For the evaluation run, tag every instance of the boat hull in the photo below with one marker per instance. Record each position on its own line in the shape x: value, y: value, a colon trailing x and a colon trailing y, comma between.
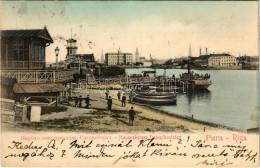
x: 155, y: 101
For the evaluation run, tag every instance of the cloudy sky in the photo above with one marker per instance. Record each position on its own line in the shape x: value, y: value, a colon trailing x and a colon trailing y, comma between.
x: 163, y: 29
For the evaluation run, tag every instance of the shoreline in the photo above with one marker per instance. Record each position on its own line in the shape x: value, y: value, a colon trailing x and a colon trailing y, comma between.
x: 220, y: 126
x: 98, y: 119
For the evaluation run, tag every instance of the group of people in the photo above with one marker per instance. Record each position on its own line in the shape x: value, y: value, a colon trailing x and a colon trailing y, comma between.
x: 123, y: 100
x: 78, y: 101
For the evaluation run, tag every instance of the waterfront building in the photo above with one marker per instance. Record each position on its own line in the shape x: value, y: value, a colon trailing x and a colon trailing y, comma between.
x: 118, y: 58
x: 77, y: 62
x: 221, y: 60
x: 24, y: 49
x: 23, y: 68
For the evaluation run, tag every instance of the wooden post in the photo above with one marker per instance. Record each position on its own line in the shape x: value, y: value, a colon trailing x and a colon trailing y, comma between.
x: 18, y: 77
x: 57, y: 99
x: 36, y: 76
x: 53, y: 77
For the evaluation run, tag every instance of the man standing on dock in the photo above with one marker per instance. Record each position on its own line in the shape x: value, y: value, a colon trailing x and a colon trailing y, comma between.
x: 131, y: 116
x: 123, y: 100
x: 109, y: 103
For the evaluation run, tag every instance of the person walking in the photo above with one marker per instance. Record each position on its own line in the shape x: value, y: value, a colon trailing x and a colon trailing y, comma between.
x: 107, y: 92
x: 123, y: 100
x: 76, y: 101
x: 87, y: 99
x: 118, y: 95
x: 131, y: 116
x: 109, y: 103
x: 80, y: 101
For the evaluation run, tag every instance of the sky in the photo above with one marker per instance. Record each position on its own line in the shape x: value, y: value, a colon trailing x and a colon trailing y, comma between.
x: 163, y: 29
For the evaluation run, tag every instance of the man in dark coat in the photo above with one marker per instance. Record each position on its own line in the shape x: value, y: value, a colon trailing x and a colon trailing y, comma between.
x: 123, y: 100
x: 87, y: 99
x: 118, y: 95
x: 107, y: 92
x: 109, y: 103
x: 76, y: 101
x: 131, y: 116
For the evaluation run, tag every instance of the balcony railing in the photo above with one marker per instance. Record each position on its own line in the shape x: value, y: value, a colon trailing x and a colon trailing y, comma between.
x: 41, y: 76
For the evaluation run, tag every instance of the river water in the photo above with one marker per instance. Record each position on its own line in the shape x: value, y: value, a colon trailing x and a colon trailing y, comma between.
x: 231, y: 100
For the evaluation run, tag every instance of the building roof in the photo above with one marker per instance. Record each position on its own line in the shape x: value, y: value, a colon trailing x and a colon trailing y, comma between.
x: 71, y: 40
x: 37, y: 33
x: 119, y: 53
x: 38, y: 88
x: 87, y: 57
x: 220, y: 55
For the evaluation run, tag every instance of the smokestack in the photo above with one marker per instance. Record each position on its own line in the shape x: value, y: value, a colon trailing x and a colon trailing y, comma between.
x: 200, y: 51
x: 206, y: 51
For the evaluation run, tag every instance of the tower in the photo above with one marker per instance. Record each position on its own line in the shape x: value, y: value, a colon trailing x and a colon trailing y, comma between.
x: 102, y: 57
x: 136, y: 55
x: 190, y: 51
x: 71, y: 47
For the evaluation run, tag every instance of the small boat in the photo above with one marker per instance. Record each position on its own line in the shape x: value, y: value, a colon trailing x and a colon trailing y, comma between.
x: 155, y: 93
x: 155, y: 102
x: 155, y: 98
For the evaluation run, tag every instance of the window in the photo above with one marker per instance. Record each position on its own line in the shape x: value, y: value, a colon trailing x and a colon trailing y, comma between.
x: 32, y: 52
x: 18, y: 52
x: 37, y: 53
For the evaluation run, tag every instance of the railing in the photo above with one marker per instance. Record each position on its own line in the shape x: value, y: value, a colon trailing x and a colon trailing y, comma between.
x: 41, y: 76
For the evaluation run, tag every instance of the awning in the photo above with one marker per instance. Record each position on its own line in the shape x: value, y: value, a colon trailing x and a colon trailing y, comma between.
x: 38, y: 88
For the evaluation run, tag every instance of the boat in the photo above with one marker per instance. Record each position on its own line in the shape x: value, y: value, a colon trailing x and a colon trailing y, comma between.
x: 156, y: 94
x: 155, y: 102
x: 196, y: 81
x: 154, y: 98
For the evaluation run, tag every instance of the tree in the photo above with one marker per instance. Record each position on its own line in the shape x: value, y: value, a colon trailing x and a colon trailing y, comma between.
x: 168, y: 62
x: 109, y: 71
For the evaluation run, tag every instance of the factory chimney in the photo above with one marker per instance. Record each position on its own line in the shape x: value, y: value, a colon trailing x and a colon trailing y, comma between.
x: 200, y: 51
x: 206, y: 51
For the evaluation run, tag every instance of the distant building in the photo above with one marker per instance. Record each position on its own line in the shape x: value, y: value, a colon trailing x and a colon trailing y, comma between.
x: 137, y: 56
x: 77, y: 62
x: 221, y: 60
x: 118, y: 58
x: 248, y: 60
x: 201, y: 61
x: 24, y: 49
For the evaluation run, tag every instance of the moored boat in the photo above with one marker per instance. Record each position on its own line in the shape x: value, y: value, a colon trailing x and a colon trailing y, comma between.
x: 155, y: 98
x: 155, y: 102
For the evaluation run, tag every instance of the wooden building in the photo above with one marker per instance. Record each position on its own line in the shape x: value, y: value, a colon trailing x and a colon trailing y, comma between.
x: 23, y: 73
x: 24, y: 49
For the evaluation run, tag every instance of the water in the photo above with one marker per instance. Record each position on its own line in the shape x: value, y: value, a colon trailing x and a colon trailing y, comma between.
x: 231, y: 100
